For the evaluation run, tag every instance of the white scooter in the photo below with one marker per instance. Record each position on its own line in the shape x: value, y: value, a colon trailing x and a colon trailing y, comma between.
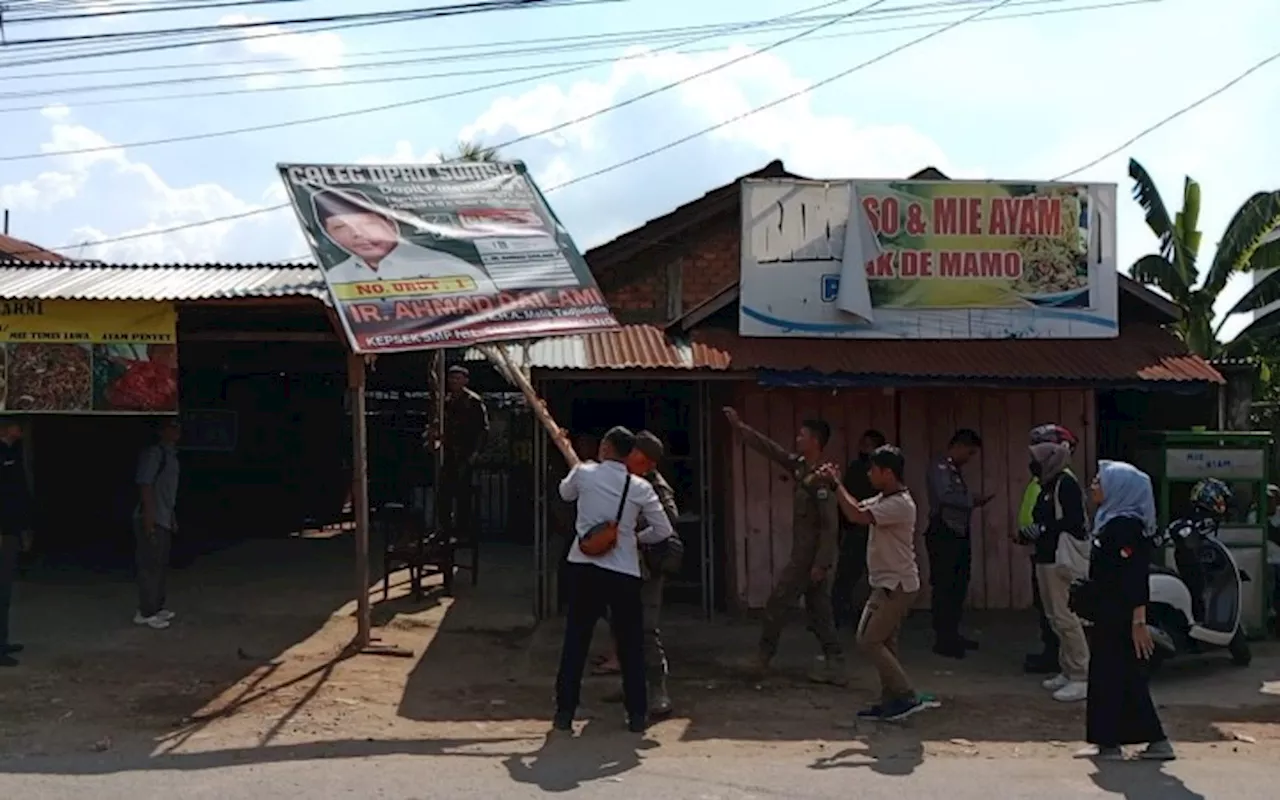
x: 1196, y: 607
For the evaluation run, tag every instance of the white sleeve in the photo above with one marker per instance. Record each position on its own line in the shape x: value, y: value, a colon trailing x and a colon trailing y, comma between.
x: 569, y: 486
x: 651, y: 509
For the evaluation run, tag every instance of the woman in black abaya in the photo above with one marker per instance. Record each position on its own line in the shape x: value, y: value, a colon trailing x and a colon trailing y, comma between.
x: 1120, y: 710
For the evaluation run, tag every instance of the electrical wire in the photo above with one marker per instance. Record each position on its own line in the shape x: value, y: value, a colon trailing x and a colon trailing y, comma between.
x: 145, y: 9
x: 785, y: 98
x: 322, y: 118
x: 632, y: 160
x: 616, y: 38
x: 1145, y: 132
x: 407, y: 16
x: 532, y: 47
x: 835, y: 20
x: 472, y: 7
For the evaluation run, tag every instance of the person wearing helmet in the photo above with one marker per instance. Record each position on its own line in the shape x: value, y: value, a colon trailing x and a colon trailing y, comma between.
x: 1211, y: 499
x: 1046, y: 662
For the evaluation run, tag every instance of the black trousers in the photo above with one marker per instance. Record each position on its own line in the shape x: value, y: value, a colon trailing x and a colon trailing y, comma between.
x: 846, y: 598
x: 151, y: 555
x: 9, y: 548
x: 457, y: 499
x: 1048, y: 637
x: 594, y: 591
x: 950, y: 566
x: 1120, y: 710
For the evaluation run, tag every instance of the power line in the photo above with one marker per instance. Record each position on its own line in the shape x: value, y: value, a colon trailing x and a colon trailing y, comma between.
x: 833, y: 20
x: 142, y: 9
x: 472, y: 7
x: 793, y: 95
x: 305, y: 120
x: 620, y: 37
x: 1175, y: 115
x: 781, y: 100
x: 407, y: 16
x: 688, y: 78
x: 615, y: 38
x: 534, y: 46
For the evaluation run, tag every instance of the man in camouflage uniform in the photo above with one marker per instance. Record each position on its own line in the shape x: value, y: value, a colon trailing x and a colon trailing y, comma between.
x: 815, y: 546
x: 643, y: 462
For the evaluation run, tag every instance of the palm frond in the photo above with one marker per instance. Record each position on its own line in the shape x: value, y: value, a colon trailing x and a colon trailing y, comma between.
x: 1252, y: 224
x: 1148, y: 196
x: 1186, y: 234
x: 1158, y: 271
x: 474, y: 151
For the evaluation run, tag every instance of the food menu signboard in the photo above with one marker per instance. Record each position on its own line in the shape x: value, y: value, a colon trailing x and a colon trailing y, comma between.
x: 928, y: 259
x: 88, y: 357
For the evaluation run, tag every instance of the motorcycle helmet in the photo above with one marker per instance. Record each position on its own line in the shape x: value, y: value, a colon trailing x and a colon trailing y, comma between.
x: 1211, y: 496
x: 1052, y: 433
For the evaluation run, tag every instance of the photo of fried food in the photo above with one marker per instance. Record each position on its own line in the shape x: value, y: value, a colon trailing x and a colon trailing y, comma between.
x: 135, y: 377
x: 49, y: 377
x: 1058, y: 264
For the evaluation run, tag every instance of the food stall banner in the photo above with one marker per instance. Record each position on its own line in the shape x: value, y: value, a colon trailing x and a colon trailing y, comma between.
x: 425, y: 256
x: 928, y: 259
x: 89, y: 357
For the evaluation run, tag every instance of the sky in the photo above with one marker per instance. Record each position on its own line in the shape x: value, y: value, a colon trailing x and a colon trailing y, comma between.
x: 1047, y: 89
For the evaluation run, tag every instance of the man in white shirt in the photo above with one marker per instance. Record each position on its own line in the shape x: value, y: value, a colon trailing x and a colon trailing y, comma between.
x: 354, y: 223
x: 609, y: 582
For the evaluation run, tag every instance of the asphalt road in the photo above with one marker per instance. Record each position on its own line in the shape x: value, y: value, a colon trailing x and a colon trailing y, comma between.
x: 573, y: 770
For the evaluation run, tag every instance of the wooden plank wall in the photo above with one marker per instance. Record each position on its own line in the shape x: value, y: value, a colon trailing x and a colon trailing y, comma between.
x: 921, y: 421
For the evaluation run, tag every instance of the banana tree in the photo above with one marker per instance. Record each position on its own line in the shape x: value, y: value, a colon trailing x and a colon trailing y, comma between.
x: 474, y: 151
x: 1248, y: 245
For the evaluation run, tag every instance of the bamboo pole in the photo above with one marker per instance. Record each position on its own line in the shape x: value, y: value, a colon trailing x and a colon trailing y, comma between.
x: 498, y: 356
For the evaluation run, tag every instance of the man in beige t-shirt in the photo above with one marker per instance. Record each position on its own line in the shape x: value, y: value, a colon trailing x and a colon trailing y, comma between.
x: 893, y: 575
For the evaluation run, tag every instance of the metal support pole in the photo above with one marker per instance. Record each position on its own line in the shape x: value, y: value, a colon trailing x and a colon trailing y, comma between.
x: 360, y: 495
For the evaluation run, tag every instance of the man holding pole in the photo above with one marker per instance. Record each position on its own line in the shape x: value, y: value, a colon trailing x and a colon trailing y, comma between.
x: 605, y: 578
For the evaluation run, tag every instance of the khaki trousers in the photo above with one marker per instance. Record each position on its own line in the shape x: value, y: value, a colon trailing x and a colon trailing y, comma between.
x: 878, y: 639
x: 1055, y: 593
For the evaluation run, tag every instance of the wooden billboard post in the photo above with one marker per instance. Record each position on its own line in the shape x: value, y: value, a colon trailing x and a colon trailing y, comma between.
x: 364, y: 641
x: 360, y: 496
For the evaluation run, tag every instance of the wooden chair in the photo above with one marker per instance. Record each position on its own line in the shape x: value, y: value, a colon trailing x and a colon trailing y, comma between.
x: 409, y: 542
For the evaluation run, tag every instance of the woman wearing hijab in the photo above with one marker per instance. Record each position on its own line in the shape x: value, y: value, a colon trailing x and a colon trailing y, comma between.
x: 1120, y: 710
x: 1059, y: 511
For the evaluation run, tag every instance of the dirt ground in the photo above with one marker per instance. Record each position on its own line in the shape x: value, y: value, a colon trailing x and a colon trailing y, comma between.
x: 255, y: 668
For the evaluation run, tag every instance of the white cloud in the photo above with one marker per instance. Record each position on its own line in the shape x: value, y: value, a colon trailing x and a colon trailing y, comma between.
x: 322, y: 51
x: 403, y: 152
x: 55, y: 111
x: 110, y: 183
x: 809, y: 142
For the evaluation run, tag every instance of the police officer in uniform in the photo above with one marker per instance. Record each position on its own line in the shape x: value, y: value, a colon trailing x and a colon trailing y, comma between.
x: 815, y: 546
x: 466, y: 424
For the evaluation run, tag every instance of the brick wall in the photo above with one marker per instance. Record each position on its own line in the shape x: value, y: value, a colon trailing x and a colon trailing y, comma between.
x: 707, y: 261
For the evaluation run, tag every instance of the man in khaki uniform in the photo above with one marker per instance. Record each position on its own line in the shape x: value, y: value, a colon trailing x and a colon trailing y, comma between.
x: 815, y: 546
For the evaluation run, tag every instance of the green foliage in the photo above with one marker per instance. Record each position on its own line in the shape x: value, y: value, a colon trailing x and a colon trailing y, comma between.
x: 1249, y: 244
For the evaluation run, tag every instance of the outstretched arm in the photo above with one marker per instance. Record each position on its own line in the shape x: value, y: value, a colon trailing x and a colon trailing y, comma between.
x: 759, y: 442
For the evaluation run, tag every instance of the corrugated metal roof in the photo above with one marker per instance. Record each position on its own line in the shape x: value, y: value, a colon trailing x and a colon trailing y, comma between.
x: 629, y: 347
x: 160, y: 282
x: 1142, y: 352
x: 19, y: 250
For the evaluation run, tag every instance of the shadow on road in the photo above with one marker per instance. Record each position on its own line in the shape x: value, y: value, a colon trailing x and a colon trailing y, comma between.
x: 564, y: 762
x: 1140, y: 780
